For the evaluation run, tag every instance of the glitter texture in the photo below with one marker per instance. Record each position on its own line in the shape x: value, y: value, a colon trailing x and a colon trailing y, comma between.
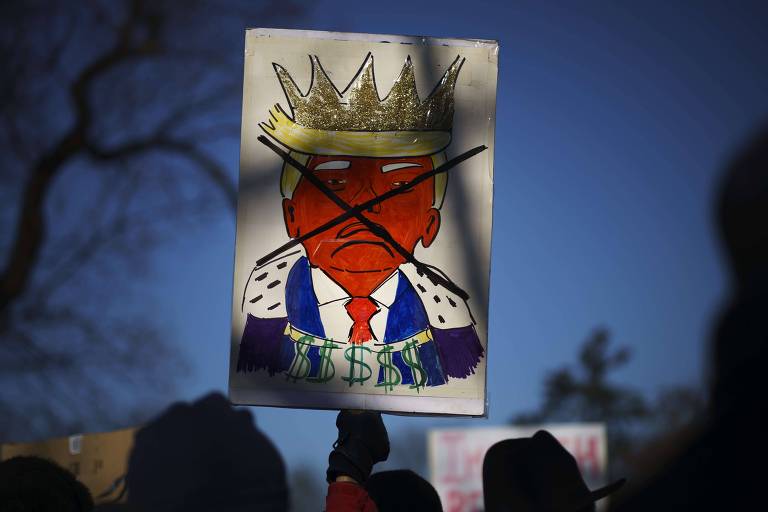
x: 360, y: 108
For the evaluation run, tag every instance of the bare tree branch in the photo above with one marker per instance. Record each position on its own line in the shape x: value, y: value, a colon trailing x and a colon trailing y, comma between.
x: 30, y: 228
x: 109, y: 120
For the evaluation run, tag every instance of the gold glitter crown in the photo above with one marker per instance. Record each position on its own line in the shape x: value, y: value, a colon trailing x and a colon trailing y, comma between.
x: 359, y: 107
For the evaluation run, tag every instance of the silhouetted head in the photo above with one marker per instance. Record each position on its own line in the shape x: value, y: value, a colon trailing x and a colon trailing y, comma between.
x: 741, y: 346
x: 402, y: 490
x: 32, y: 484
x: 536, y: 474
x: 742, y: 210
x: 203, y: 457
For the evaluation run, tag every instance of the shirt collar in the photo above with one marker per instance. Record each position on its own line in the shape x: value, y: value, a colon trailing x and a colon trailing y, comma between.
x: 385, y: 293
x: 327, y: 290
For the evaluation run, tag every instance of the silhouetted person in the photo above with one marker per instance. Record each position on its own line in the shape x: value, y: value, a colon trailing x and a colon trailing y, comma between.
x: 33, y: 484
x: 724, y: 467
x: 208, y: 457
x: 402, y: 490
x: 741, y: 339
x: 536, y: 474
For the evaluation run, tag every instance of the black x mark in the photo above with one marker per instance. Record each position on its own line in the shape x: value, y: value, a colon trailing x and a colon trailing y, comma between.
x: 356, y: 211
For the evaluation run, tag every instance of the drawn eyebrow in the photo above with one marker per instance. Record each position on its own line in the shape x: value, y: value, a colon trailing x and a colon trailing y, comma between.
x: 399, y: 165
x: 332, y: 165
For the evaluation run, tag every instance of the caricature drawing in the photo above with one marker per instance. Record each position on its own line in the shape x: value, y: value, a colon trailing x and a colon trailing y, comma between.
x: 345, y: 301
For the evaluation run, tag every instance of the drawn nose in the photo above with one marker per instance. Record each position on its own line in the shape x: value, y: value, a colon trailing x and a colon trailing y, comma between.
x: 366, y: 194
x: 375, y: 208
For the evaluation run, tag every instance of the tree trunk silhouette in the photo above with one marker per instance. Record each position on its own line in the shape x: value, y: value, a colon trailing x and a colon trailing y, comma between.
x: 113, y: 116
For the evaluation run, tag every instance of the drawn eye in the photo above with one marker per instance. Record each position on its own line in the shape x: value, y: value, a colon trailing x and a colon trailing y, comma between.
x: 335, y: 183
x: 399, y: 183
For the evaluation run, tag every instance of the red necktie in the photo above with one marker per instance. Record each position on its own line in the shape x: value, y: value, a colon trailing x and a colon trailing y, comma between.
x: 361, y: 309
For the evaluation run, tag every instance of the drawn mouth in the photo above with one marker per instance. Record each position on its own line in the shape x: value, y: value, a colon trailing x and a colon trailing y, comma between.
x: 358, y: 242
x: 352, y: 229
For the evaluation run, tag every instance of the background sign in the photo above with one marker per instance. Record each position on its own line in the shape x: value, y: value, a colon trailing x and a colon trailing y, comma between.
x: 99, y: 461
x: 456, y: 458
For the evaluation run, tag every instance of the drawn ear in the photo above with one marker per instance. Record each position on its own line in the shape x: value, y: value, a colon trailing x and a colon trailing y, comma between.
x: 290, y: 218
x: 431, y: 227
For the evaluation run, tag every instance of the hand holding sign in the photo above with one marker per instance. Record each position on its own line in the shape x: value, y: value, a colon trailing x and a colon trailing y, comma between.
x: 362, y: 442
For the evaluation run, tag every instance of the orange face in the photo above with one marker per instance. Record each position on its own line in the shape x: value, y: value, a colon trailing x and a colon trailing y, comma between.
x: 350, y: 253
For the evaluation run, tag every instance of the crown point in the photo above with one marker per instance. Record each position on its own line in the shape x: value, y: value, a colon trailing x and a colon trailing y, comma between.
x: 363, y: 97
x: 292, y: 92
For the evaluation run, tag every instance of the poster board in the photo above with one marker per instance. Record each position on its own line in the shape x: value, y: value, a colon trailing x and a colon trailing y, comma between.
x: 99, y: 461
x: 362, y: 255
x: 456, y: 458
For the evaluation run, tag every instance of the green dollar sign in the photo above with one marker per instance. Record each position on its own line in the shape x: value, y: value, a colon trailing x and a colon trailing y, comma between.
x: 327, y: 368
x: 301, y: 365
x: 412, y: 359
x: 351, y: 354
x: 391, y: 374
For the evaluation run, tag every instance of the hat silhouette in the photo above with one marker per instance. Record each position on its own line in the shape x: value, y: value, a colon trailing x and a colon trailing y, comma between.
x: 402, y: 490
x: 205, y: 456
x: 536, y: 474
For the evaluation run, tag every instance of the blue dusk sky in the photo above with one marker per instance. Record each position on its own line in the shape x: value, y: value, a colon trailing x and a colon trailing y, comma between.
x: 614, y: 122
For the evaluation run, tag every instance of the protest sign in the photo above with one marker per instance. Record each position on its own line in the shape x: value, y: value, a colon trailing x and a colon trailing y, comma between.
x: 99, y: 461
x: 361, y: 277
x: 456, y: 458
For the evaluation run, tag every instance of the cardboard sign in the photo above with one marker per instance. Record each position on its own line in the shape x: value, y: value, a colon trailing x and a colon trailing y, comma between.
x: 363, y: 226
x: 456, y: 458
x: 99, y: 461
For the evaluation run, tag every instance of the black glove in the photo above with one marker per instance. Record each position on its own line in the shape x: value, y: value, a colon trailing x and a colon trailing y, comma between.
x: 362, y: 442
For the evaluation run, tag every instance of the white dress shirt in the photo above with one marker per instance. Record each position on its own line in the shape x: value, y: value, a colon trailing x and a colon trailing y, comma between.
x: 331, y: 299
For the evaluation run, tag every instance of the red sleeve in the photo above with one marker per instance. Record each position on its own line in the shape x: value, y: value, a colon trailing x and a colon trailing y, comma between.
x: 348, y: 497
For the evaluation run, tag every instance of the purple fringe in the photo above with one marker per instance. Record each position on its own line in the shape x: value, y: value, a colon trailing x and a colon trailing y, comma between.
x: 459, y: 350
x: 261, y: 346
